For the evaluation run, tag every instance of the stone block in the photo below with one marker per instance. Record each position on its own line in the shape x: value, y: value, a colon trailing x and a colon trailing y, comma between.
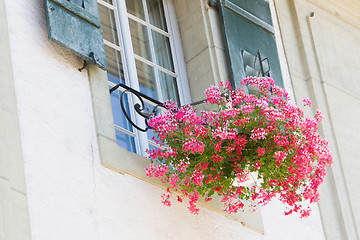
x: 336, y: 46
x: 181, y: 7
x: 200, y: 74
x: 193, y: 35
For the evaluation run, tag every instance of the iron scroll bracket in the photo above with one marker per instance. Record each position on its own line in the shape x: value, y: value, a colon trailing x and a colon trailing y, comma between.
x: 140, y: 107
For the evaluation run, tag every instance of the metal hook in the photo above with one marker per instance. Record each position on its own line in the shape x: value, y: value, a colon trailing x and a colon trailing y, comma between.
x: 93, y: 60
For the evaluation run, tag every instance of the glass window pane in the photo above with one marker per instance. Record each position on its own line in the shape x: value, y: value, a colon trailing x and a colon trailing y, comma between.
x: 108, y: 25
x: 169, y: 88
x: 125, y: 141
x: 146, y: 79
x: 162, y: 51
x: 136, y: 8
x: 151, y: 147
x: 156, y: 14
x: 115, y: 68
x: 140, y: 39
x: 118, y: 114
x: 151, y: 136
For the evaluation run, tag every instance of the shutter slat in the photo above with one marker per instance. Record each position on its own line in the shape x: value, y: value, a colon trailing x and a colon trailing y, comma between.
x: 249, y: 16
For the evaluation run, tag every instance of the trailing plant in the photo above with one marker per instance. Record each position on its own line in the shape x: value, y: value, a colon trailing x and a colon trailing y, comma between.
x: 250, y: 131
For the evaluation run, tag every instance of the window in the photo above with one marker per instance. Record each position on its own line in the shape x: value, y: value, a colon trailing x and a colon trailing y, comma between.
x: 141, y: 52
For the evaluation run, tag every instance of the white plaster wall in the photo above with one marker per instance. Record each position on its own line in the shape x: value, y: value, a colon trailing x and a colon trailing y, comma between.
x: 71, y: 196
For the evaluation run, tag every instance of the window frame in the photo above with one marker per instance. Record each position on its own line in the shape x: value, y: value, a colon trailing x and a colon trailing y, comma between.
x: 129, y: 58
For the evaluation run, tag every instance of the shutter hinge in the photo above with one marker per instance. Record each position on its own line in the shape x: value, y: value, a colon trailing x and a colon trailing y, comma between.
x: 92, y: 61
x: 212, y: 3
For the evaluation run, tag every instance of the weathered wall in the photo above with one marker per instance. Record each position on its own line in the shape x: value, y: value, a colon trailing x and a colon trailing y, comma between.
x: 322, y: 45
x: 70, y: 195
x: 14, y: 215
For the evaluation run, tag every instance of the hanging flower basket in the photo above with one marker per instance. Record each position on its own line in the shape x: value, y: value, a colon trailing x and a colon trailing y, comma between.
x: 252, y: 132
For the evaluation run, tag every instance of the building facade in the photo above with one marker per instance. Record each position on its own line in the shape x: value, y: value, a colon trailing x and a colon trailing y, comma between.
x: 71, y: 165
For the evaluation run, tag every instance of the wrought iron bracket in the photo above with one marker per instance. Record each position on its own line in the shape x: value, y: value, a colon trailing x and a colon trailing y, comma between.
x: 140, y: 108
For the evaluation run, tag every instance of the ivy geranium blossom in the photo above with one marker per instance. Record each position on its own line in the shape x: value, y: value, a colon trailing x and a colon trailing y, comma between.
x: 247, y: 131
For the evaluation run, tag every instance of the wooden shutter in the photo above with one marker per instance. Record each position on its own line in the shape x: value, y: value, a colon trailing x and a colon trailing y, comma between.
x: 249, y: 30
x: 75, y: 25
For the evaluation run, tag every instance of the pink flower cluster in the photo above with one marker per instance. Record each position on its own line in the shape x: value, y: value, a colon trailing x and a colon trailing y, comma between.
x: 280, y: 157
x: 307, y: 102
x: 213, y: 95
x: 193, y: 145
x: 252, y: 130
x: 258, y: 133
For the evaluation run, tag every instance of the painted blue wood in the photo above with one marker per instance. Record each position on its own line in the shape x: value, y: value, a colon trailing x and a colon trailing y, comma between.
x: 75, y: 25
x: 248, y: 28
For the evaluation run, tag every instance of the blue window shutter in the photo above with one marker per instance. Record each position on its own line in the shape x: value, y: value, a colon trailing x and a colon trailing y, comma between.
x: 250, y: 40
x: 75, y: 25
